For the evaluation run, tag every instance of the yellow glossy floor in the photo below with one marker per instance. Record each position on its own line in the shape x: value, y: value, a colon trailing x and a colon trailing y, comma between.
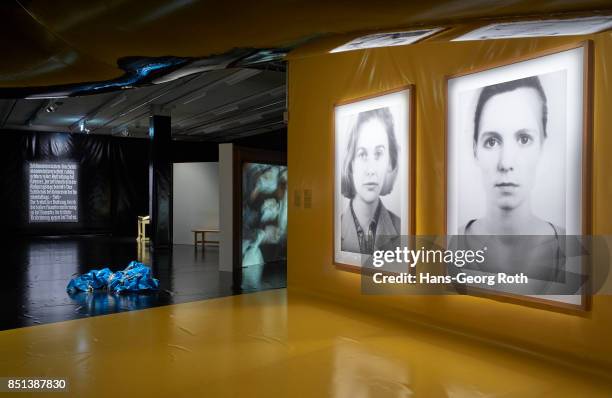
x: 275, y: 344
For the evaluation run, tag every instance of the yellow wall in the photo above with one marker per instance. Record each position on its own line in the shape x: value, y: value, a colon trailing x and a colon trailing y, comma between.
x: 317, y: 80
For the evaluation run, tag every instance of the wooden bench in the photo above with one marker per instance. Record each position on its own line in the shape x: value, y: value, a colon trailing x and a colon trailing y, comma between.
x: 203, y: 232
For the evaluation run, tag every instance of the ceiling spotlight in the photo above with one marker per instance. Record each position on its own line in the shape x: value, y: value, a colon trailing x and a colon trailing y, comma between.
x: 52, y: 106
x: 83, y: 128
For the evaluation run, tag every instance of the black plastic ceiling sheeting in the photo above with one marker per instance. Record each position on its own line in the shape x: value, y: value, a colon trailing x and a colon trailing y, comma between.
x: 143, y: 71
x: 112, y: 181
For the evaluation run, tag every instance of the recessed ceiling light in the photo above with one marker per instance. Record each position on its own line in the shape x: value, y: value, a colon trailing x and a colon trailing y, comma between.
x: 47, y: 96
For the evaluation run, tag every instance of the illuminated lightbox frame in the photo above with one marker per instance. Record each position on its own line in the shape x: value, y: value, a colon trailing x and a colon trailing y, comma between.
x: 388, y: 39
x: 398, y: 106
x: 561, y: 194
x: 74, y: 211
x: 540, y: 28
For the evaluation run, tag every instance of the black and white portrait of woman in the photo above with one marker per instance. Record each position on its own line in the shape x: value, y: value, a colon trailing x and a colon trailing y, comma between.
x: 515, y: 161
x: 511, y: 130
x: 371, y: 160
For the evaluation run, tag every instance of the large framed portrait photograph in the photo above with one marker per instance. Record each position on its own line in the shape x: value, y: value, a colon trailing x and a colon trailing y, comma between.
x: 518, y: 175
x: 372, y: 175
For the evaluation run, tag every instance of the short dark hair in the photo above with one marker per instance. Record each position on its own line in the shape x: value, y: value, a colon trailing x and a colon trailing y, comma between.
x: 490, y: 91
x: 384, y: 115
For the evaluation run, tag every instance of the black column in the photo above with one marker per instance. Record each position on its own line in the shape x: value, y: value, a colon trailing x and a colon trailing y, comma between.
x: 160, y: 182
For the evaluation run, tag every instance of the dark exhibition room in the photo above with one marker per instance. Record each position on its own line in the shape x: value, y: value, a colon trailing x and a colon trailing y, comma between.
x: 306, y: 199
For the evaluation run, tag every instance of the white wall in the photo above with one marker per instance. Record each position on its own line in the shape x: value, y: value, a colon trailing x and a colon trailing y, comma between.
x: 195, y: 200
x: 226, y: 210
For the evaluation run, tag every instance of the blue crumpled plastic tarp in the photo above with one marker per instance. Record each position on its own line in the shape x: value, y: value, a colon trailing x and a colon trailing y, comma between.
x: 136, y: 277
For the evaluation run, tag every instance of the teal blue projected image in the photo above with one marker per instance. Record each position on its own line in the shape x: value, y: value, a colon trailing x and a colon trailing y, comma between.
x: 264, y: 213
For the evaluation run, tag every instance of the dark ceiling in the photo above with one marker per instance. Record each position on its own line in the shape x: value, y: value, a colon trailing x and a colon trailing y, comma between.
x: 217, y: 67
x: 219, y: 105
x: 74, y: 41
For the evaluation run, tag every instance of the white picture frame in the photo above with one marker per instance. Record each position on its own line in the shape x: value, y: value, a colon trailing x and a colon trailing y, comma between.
x: 518, y: 158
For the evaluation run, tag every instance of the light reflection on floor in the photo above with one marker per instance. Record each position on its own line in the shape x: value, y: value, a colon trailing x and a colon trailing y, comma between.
x: 275, y: 344
x: 37, y: 270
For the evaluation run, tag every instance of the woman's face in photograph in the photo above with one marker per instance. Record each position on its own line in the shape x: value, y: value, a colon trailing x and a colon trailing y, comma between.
x: 509, y: 144
x: 371, y: 163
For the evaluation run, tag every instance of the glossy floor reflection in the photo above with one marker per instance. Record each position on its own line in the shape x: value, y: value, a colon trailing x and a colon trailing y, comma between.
x: 275, y: 344
x: 36, y: 272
